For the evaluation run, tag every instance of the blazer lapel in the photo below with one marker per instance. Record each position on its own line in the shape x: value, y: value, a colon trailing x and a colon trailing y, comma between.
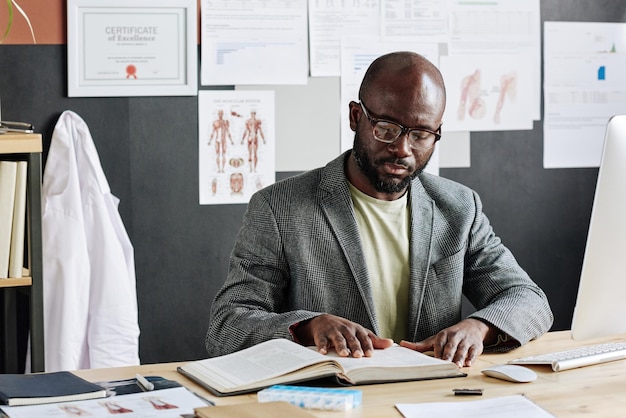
x: 422, y: 214
x: 337, y: 206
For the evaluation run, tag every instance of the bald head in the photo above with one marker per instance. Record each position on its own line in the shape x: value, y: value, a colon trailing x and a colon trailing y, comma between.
x: 406, y: 74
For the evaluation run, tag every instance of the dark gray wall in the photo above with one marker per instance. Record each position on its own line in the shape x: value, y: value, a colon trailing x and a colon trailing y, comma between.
x: 148, y: 147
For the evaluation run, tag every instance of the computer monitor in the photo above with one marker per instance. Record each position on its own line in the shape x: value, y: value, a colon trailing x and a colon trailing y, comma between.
x: 600, y: 309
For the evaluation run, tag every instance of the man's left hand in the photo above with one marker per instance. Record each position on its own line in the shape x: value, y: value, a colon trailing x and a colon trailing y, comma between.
x: 460, y: 343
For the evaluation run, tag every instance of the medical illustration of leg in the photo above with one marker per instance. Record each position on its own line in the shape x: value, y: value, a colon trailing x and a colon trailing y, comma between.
x: 159, y: 404
x: 73, y: 410
x: 471, y: 102
x: 508, y: 89
x: 115, y: 408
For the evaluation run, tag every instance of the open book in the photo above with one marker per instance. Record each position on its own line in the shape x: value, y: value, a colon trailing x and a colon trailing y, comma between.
x: 281, y: 361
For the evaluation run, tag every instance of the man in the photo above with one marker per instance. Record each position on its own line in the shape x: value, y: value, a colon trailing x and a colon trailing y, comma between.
x: 369, y: 249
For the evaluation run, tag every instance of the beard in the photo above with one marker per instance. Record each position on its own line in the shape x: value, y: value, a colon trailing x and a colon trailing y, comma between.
x: 388, y: 184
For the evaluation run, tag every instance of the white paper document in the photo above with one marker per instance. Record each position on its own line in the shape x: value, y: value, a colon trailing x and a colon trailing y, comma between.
x: 515, y: 406
x: 329, y: 21
x: 416, y: 18
x: 497, y: 29
x: 254, y: 42
x: 584, y: 85
x: 165, y: 403
x: 454, y: 149
x: 105, y: 59
x: 486, y: 94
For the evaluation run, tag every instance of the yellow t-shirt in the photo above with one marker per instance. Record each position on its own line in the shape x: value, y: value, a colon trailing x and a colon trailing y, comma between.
x: 384, y: 230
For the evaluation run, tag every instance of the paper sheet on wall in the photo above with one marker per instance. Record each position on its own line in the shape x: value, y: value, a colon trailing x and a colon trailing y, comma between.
x: 584, y: 85
x: 485, y: 94
x: 423, y: 19
x: 395, y: 20
x: 499, y: 28
x: 236, y: 144
x: 329, y: 21
x: 454, y: 149
x: 254, y: 42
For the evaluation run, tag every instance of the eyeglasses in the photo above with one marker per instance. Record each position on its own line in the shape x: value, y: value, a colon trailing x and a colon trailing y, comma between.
x: 387, y: 132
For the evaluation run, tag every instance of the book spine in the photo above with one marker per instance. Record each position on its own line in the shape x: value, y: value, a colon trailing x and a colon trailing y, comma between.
x: 16, y: 255
x: 8, y: 174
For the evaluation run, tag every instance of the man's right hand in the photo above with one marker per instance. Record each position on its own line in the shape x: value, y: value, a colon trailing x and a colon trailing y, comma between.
x: 328, y: 332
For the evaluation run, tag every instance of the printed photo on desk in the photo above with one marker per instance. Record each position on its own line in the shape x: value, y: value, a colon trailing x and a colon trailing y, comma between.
x: 281, y: 361
x: 165, y: 403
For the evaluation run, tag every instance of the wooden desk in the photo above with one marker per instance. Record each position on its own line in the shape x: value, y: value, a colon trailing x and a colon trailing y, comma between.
x: 588, y: 391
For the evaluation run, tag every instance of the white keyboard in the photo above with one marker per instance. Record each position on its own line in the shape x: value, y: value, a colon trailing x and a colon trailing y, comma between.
x: 578, y: 357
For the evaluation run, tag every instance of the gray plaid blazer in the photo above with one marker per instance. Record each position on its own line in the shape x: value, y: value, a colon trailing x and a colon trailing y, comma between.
x: 298, y: 254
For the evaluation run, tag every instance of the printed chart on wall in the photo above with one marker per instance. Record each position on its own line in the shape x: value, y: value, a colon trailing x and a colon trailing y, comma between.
x: 236, y: 145
x: 584, y: 85
x: 253, y: 42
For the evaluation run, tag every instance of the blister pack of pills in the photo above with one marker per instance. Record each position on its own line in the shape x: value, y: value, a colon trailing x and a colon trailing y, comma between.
x: 312, y: 397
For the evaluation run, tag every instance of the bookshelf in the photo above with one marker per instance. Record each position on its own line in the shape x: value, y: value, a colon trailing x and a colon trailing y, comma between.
x: 28, y: 147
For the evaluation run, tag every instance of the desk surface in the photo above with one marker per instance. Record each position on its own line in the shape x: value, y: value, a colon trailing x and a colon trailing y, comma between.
x: 589, y: 391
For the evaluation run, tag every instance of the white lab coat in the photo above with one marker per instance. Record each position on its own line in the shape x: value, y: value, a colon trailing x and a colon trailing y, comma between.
x: 90, y: 299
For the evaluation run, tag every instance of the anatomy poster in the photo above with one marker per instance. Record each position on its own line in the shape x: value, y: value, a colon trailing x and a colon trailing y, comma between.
x: 236, y: 144
x: 485, y: 94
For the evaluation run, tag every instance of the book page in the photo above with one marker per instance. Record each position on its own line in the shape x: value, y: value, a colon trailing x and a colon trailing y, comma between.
x: 263, y: 361
x: 395, y: 363
x: 394, y: 356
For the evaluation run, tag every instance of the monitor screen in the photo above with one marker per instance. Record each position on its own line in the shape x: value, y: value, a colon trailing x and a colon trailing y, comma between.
x: 600, y: 309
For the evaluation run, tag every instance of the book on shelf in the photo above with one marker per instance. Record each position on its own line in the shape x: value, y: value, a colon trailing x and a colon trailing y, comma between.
x: 8, y: 174
x: 42, y: 388
x: 280, y: 361
x: 16, y: 254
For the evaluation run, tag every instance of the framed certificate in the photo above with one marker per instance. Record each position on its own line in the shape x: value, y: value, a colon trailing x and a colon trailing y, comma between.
x: 132, y: 48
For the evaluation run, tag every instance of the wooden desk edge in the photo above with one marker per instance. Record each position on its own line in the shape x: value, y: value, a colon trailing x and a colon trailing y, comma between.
x: 576, y: 392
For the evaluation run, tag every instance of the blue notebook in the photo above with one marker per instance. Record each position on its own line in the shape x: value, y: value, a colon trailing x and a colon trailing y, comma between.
x: 39, y: 388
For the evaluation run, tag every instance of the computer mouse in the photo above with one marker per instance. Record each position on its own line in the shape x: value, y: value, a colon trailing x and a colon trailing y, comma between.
x: 511, y: 373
